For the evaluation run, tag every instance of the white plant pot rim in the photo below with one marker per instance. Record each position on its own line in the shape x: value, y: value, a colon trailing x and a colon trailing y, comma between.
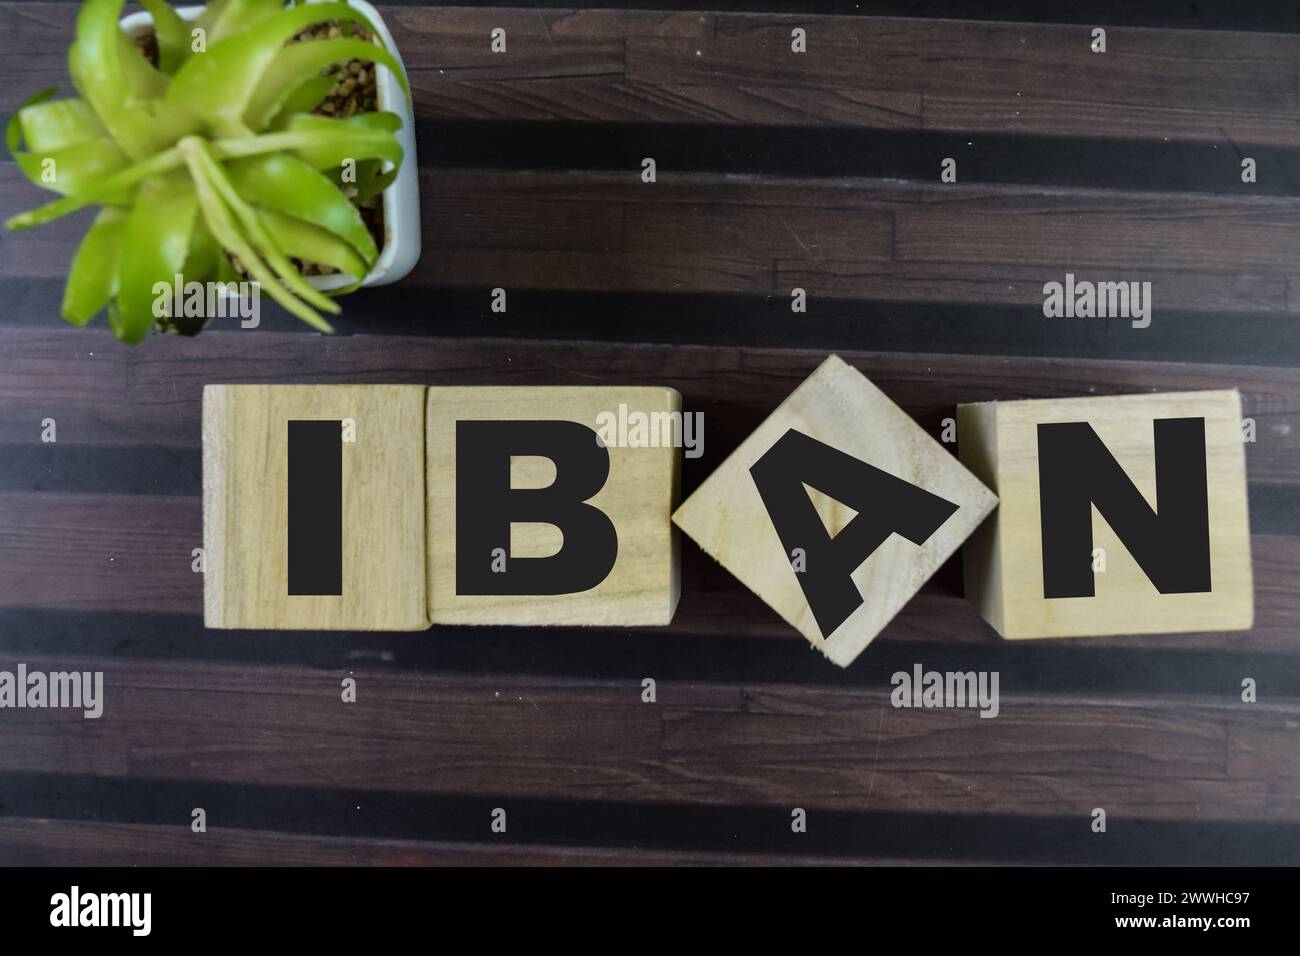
x: 401, y: 248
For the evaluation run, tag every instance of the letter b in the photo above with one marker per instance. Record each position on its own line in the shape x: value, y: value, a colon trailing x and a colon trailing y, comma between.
x: 486, y: 506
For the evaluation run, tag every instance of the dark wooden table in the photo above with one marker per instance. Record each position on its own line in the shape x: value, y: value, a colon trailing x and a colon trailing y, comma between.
x: 775, y: 170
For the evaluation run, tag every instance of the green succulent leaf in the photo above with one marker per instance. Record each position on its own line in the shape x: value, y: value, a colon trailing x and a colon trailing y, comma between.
x: 71, y: 170
x: 205, y: 255
x: 325, y: 143
x: 288, y: 185
x: 265, y: 243
x: 372, y: 179
x: 93, y: 278
x: 313, y: 244
x: 228, y: 17
x: 42, y: 124
x: 118, y: 82
x: 306, y: 97
x: 99, y: 191
x: 219, y: 85
x: 214, y: 194
x: 66, y: 147
x: 157, y: 234
x: 284, y: 74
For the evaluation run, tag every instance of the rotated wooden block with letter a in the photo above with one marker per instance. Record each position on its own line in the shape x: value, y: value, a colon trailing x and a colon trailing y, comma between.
x: 836, y: 510
x: 313, y: 507
x: 1119, y: 515
x: 540, y: 513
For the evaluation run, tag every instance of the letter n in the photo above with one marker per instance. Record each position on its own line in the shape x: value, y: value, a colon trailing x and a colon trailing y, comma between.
x: 1076, y: 472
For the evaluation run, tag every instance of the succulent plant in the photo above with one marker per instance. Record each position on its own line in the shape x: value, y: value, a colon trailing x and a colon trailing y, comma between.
x: 211, y: 154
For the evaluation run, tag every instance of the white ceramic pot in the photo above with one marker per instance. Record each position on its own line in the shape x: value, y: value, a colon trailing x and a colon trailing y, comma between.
x: 401, y: 248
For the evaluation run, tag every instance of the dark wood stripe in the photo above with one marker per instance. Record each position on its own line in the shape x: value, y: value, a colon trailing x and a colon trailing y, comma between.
x: 112, y: 469
x: 718, y: 320
x: 46, y: 842
x: 837, y: 152
x: 323, y: 811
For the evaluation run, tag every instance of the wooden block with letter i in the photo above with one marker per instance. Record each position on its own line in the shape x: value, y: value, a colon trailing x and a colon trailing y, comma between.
x: 836, y: 510
x: 552, y: 505
x: 313, y: 507
x: 1119, y: 515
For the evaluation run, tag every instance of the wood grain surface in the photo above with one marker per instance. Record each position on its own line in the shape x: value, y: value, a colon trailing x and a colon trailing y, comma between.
x: 775, y: 170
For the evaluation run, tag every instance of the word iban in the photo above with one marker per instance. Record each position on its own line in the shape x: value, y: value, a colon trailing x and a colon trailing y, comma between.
x: 1102, y: 300
x: 948, y: 689
x: 1077, y: 472
x: 75, y: 908
x: 660, y: 429
x: 80, y: 690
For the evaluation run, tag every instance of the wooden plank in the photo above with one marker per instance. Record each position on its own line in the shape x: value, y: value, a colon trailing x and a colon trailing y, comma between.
x: 706, y: 744
x: 1006, y: 77
x: 466, y: 222
x: 101, y: 393
x: 873, y: 239
x: 878, y: 240
x: 1265, y: 745
x: 613, y: 66
x: 718, y: 228
x: 870, y: 239
x: 1082, y: 231
x: 111, y: 553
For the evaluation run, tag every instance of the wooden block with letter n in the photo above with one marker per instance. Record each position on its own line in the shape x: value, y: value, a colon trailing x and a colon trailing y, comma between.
x: 313, y: 507
x: 552, y: 505
x: 836, y: 510
x: 1119, y: 515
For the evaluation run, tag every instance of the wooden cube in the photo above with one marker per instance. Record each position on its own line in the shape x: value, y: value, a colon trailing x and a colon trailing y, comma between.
x: 850, y: 480
x: 1091, y: 537
x: 534, y: 519
x: 313, y: 507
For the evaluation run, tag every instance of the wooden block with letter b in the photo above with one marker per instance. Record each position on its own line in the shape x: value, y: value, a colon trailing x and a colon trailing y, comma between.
x: 836, y: 510
x: 1119, y: 515
x: 552, y: 505
x: 313, y: 507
